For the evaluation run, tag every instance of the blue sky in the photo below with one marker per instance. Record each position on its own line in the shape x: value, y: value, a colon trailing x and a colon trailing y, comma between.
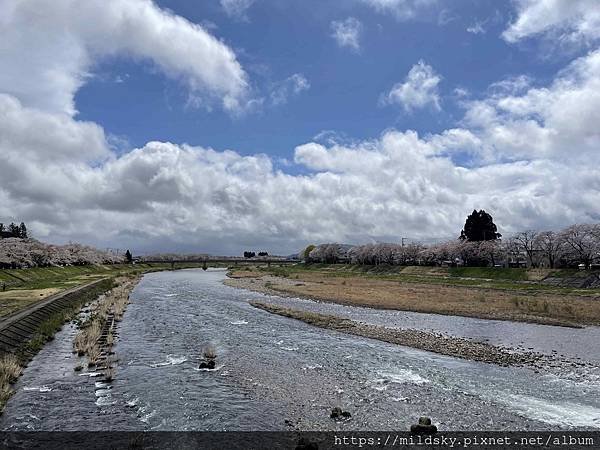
x: 279, y: 39
x: 227, y: 125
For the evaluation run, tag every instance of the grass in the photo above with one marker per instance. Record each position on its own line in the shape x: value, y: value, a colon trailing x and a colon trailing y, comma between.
x: 209, y: 351
x: 87, y: 341
x: 476, y: 277
x: 440, y: 291
x: 493, y: 273
x: 10, y: 369
x: 25, y: 287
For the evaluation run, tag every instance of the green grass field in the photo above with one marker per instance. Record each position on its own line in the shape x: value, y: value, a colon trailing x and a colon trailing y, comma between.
x: 24, y: 287
x: 526, y: 280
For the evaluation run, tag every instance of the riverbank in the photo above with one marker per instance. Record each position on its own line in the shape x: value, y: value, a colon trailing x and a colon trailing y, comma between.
x: 105, y: 299
x: 520, y: 302
x: 25, y: 287
x: 425, y: 340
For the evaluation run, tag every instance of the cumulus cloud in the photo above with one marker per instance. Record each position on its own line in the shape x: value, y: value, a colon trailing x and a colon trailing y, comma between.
x: 568, y: 21
x: 400, y: 183
x: 514, y: 154
x: 558, y: 121
x: 419, y: 89
x: 401, y: 9
x: 291, y: 86
x: 236, y: 8
x: 63, y: 39
x: 347, y: 32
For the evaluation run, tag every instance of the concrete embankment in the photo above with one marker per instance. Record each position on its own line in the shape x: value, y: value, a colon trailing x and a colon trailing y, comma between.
x: 20, y: 328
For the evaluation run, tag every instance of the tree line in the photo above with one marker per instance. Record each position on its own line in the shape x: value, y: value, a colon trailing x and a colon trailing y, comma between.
x: 22, y: 253
x: 13, y: 231
x: 479, y: 244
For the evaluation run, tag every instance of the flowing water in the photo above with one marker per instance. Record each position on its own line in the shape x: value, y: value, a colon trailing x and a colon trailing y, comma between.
x: 275, y: 373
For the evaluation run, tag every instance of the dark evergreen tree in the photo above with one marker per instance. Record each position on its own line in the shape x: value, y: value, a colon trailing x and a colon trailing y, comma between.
x: 128, y: 256
x: 22, y: 231
x: 480, y: 226
x: 13, y: 229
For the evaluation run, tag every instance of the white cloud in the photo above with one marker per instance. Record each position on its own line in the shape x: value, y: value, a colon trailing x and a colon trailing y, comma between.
x: 514, y: 154
x: 401, y: 9
x: 419, y: 89
x: 476, y: 28
x: 64, y: 39
x: 236, y: 8
x: 347, y: 32
x: 558, y: 121
x: 291, y: 86
x: 567, y: 21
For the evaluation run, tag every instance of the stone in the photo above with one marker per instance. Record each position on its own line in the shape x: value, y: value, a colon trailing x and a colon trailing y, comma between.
x: 336, y: 413
x: 210, y: 364
x: 423, y: 427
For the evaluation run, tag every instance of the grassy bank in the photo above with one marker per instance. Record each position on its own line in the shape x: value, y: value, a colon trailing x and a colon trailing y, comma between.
x: 528, y: 280
x: 430, y: 290
x: 24, y: 287
x: 11, y: 364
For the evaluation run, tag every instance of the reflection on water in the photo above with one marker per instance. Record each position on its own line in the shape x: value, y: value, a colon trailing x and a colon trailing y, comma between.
x: 276, y: 373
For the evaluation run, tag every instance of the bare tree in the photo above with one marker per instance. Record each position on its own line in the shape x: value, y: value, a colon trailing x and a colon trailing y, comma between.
x: 551, y: 245
x: 526, y: 243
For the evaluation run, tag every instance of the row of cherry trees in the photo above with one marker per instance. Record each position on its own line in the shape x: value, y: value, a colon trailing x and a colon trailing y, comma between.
x: 20, y: 253
x: 577, y: 244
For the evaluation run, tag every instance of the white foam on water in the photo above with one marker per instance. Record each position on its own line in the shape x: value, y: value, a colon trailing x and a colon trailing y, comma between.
x: 105, y: 400
x: 102, y: 392
x: 239, y: 322
x: 290, y: 349
x: 90, y: 374
x: 171, y: 361
x: 148, y: 416
x: 132, y: 403
x: 38, y: 388
x: 380, y: 384
x: 315, y: 367
x: 209, y: 370
x: 403, y: 376
x: 559, y: 413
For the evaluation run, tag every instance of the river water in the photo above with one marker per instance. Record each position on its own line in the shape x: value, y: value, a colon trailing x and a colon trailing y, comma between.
x: 275, y: 373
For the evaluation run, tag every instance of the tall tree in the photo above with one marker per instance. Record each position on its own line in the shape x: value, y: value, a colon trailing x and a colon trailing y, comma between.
x: 479, y: 226
x: 22, y: 231
x: 128, y: 256
x: 527, y: 242
x: 551, y: 244
x: 13, y: 229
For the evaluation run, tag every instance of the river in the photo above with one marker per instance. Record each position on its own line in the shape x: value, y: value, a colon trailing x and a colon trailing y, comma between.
x: 275, y: 373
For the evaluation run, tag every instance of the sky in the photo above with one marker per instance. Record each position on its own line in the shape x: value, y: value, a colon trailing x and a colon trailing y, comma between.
x: 228, y: 125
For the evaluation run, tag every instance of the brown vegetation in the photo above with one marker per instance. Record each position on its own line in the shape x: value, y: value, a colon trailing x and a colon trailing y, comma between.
x: 503, y: 304
x: 10, y: 369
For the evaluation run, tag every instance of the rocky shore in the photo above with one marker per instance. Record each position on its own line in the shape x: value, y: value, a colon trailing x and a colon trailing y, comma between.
x: 422, y: 340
